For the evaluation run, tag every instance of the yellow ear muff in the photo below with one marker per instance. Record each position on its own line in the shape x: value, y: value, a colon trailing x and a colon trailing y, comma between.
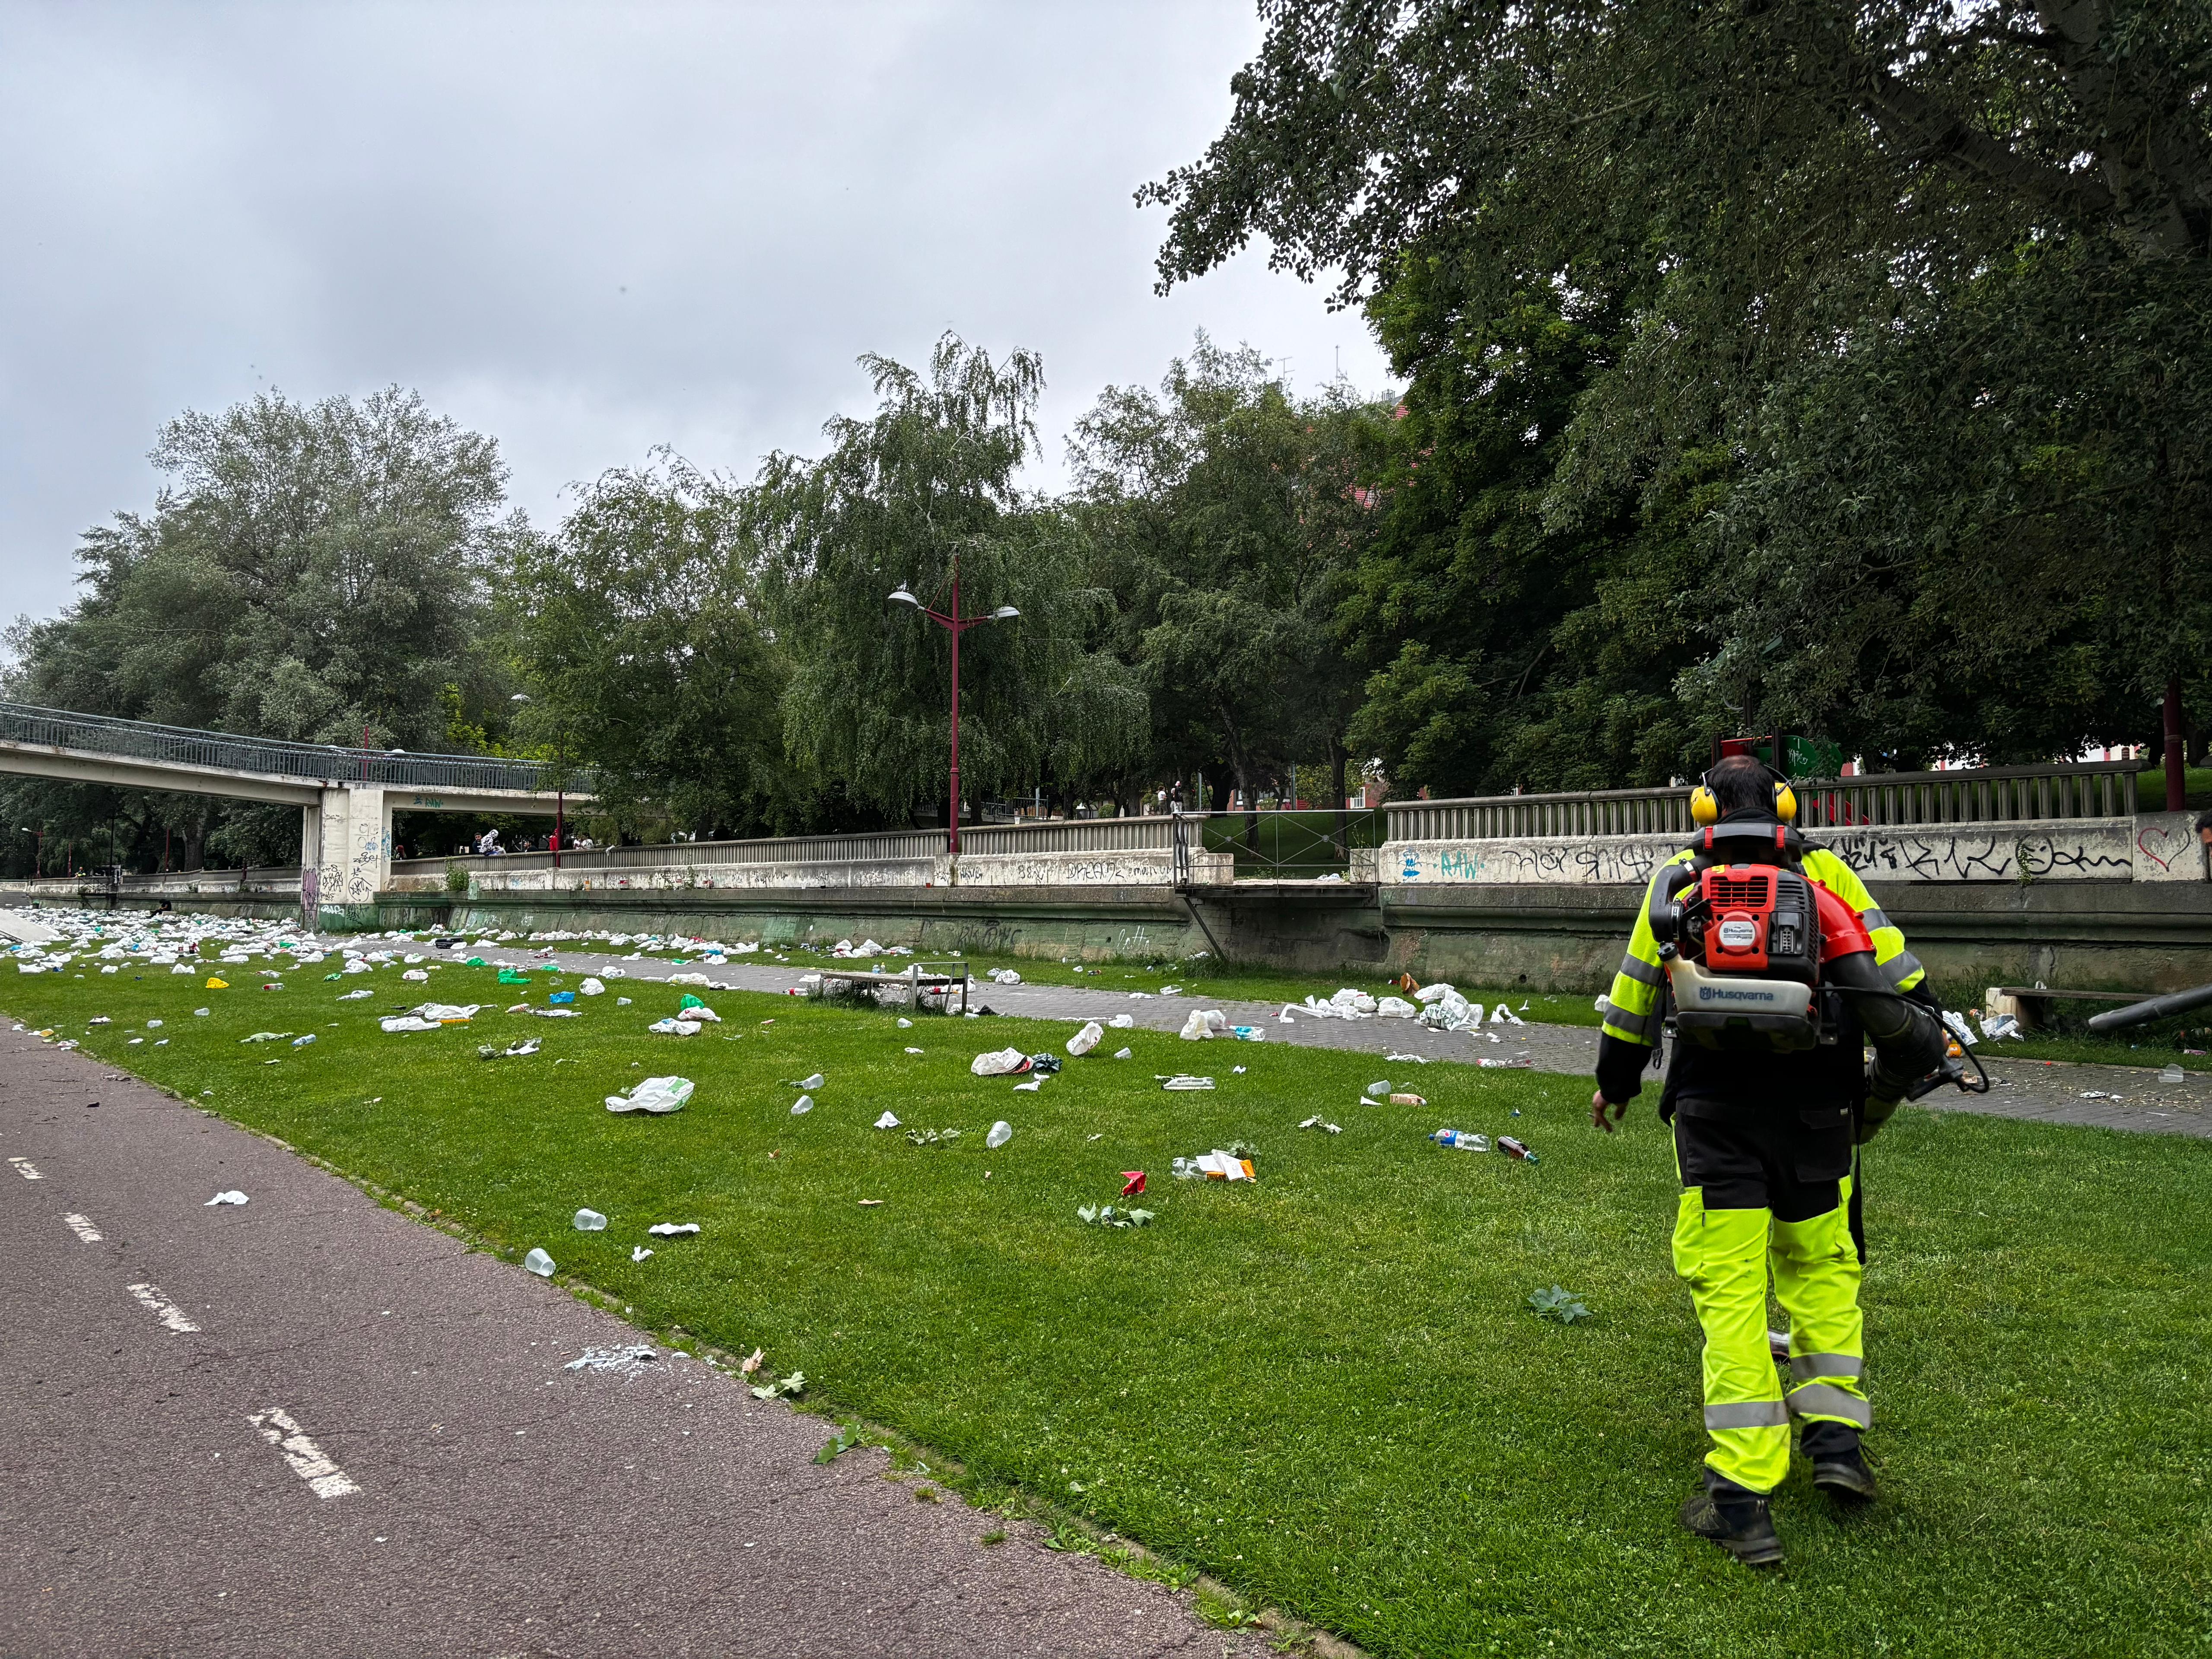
x: 1704, y: 809
x: 1785, y: 803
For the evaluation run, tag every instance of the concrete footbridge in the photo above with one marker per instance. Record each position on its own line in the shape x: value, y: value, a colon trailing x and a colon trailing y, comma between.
x: 346, y: 797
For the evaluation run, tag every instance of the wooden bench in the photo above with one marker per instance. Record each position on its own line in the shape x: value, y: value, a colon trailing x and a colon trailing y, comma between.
x: 914, y: 980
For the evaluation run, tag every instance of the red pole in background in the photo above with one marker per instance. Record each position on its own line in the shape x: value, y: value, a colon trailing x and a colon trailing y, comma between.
x: 954, y: 821
x: 2177, y: 798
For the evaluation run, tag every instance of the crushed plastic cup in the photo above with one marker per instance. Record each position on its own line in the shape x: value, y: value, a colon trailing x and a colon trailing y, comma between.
x: 802, y: 1106
x: 1378, y: 1089
x: 888, y: 1121
x: 814, y: 1082
x: 1124, y: 1054
x: 588, y: 1221
x: 2173, y: 1074
x: 538, y: 1262
x: 1086, y: 1039
x: 1001, y: 1132
x: 201, y: 1014
x: 905, y: 1023
x: 657, y: 1095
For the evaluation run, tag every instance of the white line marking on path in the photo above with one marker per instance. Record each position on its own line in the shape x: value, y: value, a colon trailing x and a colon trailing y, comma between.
x: 26, y: 1169
x: 308, y: 1461
x: 82, y: 1227
x: 150, y: 1298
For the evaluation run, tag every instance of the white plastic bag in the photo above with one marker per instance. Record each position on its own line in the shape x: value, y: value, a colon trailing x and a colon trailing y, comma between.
x: 653, y: 1094
x: 1396, y: 1008
x: 1121, y: 1022
x: 1195, y: 1029
x: 591, y: 988
x: 1086, y: 1039
x: 999, y: 1063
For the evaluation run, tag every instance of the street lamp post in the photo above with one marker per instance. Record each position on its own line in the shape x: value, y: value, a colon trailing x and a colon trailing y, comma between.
x: 560, y: 784
x: 955, y: 624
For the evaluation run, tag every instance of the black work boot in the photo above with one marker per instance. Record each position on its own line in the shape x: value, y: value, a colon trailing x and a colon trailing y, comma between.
x: 1839, y: 1467
x: 1736, y: 1519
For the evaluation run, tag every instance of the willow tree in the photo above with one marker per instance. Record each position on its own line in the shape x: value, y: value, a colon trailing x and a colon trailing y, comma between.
x: 920, y: 490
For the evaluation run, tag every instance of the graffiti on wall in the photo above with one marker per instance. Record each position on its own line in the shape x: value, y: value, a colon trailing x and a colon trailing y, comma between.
x: 2087, y: 852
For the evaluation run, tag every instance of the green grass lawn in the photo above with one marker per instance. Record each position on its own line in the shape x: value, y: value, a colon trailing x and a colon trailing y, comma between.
x: 1324, y: 1389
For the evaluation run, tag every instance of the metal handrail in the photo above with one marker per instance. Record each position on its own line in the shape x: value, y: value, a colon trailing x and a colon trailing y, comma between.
x: 103, y: 734
x: 1984, y: 794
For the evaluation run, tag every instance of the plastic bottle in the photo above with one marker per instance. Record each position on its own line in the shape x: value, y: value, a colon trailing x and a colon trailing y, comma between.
x: 1461, y: 1140
x: 1513, y: 1148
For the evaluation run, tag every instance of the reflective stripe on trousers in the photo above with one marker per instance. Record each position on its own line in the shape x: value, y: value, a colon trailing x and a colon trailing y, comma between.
x: 1724, y: 1256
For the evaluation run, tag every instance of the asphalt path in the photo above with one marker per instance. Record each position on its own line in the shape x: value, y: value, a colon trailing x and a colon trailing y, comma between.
x: 2099, y: 1097
x: 311, y: 1424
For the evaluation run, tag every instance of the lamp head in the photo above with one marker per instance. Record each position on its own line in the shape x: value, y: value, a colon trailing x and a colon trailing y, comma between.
x: 901, y: 597
x: 1004, y: 613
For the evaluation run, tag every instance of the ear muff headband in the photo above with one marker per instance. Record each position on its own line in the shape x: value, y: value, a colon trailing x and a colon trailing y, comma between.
x: 1705, y: 807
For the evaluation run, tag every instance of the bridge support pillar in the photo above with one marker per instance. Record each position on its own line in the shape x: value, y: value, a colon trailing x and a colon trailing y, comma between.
x: 347, y: 842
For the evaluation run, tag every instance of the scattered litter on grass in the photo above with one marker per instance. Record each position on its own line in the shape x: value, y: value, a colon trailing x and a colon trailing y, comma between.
x: 515, y: 1051
x: 871, y: 1203
x: 398, y: 1022
x: 591, y: 988
x: 1182, y: 1082
x: 218, y: 985
x: 1998, y: 1027
x: 795, y: 1383
x: 297, y: 1042
x: 1002, y: 1062
x: 1520, y: 1063
x: 905, y: 1023
x: 1512, y: 1148
x: 814, y: 1082
x: 912, y: 1050
x: 752, y: 1362
x: 1235, y: 1164
x: 1417, y: 1060
x: 1557, y: 1304
x: 888, y: 1121
x: 1105, y: 1215
x: 1001, y: 1132
x: 1409, y: 1100
x: 1125, y: 1054
x: 1317, y: 1122
x: 2173, y: 1074
x: 264, y: 1036
x: 201, y: 1014
x: 931, y: 1137
x: 653, y: 1094
x: 1132, y: 1184
x: 588, y: 1221
x: 639, y: 1253
x: 673, y: 1228
x: 804, y: 1104
x: 355, y: 996
x: 1461, y: 1140
x: 1003, y: 976
x: 674, y: 1028
x: 538, y: 1262
x: 232, y: 1196
x: 1086, y: 1039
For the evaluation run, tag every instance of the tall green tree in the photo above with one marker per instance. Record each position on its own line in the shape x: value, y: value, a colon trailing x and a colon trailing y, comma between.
x: 924, y: 486
x: 1228, y: 515
x: 638, y: 631
x: 1914, y: 288
x: 308, y: 571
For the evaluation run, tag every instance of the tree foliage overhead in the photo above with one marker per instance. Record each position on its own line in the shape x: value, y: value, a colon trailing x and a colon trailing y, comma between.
x: 1926, y: 281
x: 925, y: 485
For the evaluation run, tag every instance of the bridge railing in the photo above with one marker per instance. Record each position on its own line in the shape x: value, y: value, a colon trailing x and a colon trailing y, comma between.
x: 1984, y: 794
x: 100, y: 734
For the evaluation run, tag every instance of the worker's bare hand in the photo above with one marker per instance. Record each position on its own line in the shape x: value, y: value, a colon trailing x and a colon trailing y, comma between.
x: 1600, y: 1106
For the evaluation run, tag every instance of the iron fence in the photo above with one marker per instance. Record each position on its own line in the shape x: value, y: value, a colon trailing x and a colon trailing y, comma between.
x: 1986, y: 794
x: 328, y: 763
x: 1288, y: 844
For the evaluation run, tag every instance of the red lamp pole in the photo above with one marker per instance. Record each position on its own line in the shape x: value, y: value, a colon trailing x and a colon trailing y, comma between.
x: 955, y: 624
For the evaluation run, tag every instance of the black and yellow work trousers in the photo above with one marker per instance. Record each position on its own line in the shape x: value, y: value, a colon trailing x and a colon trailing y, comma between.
x: 1769, y: 1190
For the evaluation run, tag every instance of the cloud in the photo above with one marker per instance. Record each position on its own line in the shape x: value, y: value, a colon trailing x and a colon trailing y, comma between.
x: 588, y: 230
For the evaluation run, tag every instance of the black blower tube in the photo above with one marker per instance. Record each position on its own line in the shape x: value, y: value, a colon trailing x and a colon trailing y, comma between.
x: 1909, y: 1041
x: 2179, y: 1002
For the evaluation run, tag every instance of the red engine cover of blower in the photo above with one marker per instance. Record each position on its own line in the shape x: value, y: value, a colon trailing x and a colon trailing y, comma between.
x: 1842, y: 932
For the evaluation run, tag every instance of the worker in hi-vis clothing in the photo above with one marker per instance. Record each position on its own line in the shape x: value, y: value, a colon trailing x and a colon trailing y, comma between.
x: 1763, y: 1142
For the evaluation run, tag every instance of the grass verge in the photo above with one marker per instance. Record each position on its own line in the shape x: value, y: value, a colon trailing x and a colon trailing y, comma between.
x: 1324, y: 1390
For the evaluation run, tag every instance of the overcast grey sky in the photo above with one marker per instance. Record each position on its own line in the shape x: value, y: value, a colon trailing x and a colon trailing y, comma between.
x: 587, y: 229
